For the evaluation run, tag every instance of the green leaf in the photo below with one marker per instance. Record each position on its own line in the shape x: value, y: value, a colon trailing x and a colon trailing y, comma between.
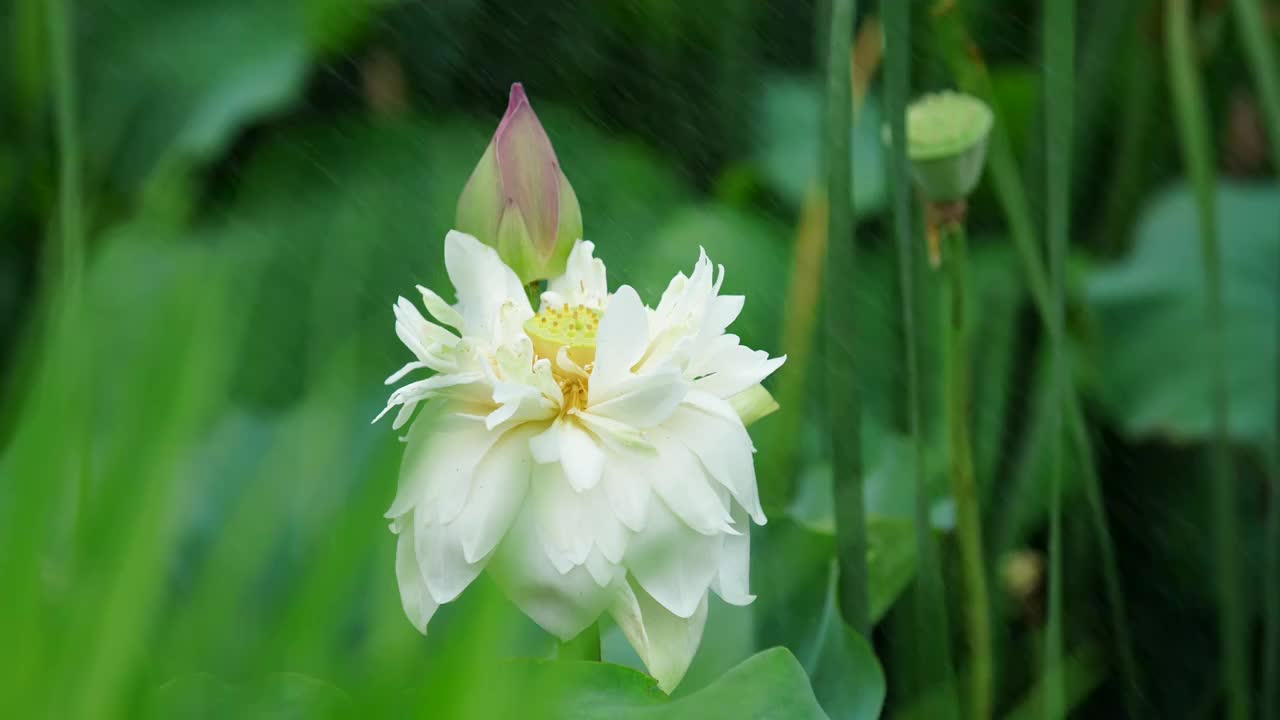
x: 889, y: 497
x: 889, y: 492
x: 801, y: 614
x: 788, y: 153
x: 846, y: 674
x: 167, y: 82
x: 1153, y: 362
x: 769, y: 684
x: 891, y: 560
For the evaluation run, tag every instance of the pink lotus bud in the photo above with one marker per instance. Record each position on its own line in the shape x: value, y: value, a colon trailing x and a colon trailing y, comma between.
x: 517, y: 199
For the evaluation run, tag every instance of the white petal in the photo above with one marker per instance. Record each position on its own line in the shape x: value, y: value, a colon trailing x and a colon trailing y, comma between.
x: 665, y: 642
x: 672, y: 562
x: 732, y: 581
x: 568, y: 366
x: 563, y: 517
x: 441, y: 561
x: 439, y: 309
x: 712, y: 405
x: 468, y: 387
x: 416, y: 332
x: 626, y: 484
x: 443, y: 451
x: 405, y: 370
x: 498, y: 490
x: 640, y: 401
x: 545, y: 380
x: 408, y: 330
x: 721, y: 313
x: 545, y: 446
x: 519, y: 404
x: 604, y: 572
x: 685, y: 300
x: 721, y: 443
x: 669, y: 347
x: 679, y: 479
x: 609, y: 534
x: 671, y: 296
x: 402, y: 417
x: 485, y: 286
x: 733, y: 368
x: 581, y: 456
x: 564, y: 604
x: 583, y: 281
x: 621, y: 340
x: 615, y: 434
x: 418, y: 603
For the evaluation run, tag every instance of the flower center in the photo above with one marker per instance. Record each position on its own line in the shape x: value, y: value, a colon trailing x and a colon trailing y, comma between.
x: 570, y: 327
x: 575, y: 394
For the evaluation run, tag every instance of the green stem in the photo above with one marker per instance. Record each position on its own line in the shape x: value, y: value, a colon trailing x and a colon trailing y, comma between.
x: 932, y: 634
x: 844, y: 408
x: 1079, y: 675
x: 586, y: 646
x: 1265, y: 67
x: 1271, y: 556
x: 1059, y: 69
x: 1129, y: 165
x: 71, y: 255
x: 1194, y: 135
x: 963, y: 487
x: 972, y: 77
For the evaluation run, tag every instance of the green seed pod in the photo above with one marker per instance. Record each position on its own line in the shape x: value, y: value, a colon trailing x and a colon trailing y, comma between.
x: 947, y: 144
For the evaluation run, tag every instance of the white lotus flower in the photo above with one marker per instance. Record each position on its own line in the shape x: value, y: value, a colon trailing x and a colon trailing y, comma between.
x: 587, y: 455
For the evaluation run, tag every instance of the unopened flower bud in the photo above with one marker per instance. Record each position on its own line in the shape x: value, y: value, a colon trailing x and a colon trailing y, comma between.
x: 947, y: 144
x: 517, y: 199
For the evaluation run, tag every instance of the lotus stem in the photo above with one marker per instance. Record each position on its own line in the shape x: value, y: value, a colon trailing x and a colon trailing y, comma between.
x: 963, y: 486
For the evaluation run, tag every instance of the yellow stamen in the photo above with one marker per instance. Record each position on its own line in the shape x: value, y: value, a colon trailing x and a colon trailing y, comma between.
x: 575, y: 393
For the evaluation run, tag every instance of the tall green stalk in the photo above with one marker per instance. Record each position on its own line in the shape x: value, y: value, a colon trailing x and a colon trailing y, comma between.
x: 44, y: 459
x: 1266, y: 75
x: 71, y: 247
x: 963, y: 487
x: 972, y: 77
x: 844, y: 407
x: 1129, y: 165
x: 1263, y: 63
x: 1059, y: 69
x: 1193, y: 131
x: 1271, y: 556
x: 932, y: 632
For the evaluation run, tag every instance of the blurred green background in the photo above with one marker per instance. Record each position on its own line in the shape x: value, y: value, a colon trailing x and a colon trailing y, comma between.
x: 191, y: 494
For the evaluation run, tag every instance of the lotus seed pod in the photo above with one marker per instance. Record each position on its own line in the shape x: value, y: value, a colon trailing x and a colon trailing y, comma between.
x: 947, y: 144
